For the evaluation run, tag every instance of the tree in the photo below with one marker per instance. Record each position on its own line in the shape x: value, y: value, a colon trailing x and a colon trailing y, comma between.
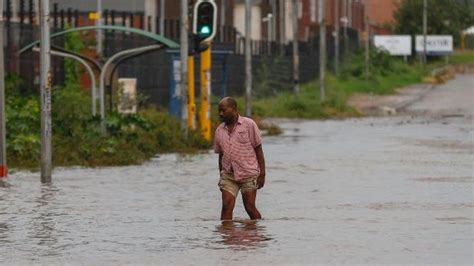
x: 447, y: 17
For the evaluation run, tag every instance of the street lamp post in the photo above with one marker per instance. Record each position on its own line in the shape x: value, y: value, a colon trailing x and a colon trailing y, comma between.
x: 268, y: 20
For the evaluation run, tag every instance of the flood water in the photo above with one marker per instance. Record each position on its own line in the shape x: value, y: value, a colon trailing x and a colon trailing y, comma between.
x: 375, y: 191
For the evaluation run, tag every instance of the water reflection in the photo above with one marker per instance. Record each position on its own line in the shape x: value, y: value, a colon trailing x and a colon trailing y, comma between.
x: 243, y: 235
x: 43, y: 222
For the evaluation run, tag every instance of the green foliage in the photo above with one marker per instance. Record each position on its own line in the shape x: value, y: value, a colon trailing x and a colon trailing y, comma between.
x: 306, y: 105
x: 462, y: 57
x: 77, y: 135
x: 386, y: 74
x: 444, y: 17
x: 74, y: 43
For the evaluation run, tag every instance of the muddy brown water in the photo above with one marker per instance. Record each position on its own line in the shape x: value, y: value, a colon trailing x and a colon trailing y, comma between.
x: 365, y: 191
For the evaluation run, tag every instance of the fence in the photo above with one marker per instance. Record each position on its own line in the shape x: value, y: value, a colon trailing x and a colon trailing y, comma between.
x: 272, y: 62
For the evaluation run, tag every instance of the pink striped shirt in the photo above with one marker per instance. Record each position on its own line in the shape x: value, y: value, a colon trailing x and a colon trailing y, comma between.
x: 238, y: 148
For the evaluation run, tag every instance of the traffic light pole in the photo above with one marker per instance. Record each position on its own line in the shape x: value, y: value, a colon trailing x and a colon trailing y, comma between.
x: 191, y: 93
x: 204, y: 30
x: 205, y: 112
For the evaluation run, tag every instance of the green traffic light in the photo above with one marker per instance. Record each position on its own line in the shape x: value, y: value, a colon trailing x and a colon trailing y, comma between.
x: 205, y: 30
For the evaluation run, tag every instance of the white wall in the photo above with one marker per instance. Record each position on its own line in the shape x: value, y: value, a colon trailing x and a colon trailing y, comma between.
x: 256, y: 19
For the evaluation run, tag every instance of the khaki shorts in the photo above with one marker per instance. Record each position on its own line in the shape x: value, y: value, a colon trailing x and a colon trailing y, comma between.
x: 227, y: 183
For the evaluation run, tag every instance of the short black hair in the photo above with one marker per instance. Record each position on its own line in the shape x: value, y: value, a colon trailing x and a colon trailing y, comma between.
x: 231, y: 102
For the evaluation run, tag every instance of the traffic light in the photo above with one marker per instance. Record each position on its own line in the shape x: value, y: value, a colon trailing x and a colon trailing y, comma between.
x: 204, y: 20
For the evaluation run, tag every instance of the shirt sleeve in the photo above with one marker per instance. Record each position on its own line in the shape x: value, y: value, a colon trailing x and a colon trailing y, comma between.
x: 255, y: 134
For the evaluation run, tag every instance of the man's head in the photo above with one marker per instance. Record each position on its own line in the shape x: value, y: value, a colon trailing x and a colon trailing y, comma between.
x: 228, y: 110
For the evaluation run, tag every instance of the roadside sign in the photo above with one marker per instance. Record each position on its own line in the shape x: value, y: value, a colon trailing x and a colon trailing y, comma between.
x: 396, y: 45
x: 435, y: 44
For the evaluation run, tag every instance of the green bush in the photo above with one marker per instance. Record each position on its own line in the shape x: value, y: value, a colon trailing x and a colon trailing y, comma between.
x: 78, y: 138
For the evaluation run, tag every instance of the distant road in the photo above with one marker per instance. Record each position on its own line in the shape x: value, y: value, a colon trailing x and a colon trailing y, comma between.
x: 456, y: 97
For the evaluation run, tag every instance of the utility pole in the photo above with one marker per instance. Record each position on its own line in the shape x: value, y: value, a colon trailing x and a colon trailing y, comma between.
x: 248, y: 60
x: 349, y: 13
x: 274, y: 17
x: 223, y: 18
x: 99, y: 31
x: 425, y: 29
x: 162, y: 17
x: 345, y: 22
x: 281, y: 15
x: 45, y: 88
x: 184, y: 64
x: 336, y: 37
x: 367, y: 40
x: 322, y: 49
x: 296, y: 58
x: 3, y: 130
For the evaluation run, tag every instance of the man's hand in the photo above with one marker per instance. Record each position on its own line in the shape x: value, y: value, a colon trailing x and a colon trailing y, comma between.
x: 261, y: 180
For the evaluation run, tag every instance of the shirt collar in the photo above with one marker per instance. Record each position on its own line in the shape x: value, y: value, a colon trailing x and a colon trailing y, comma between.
x: 239, y: 121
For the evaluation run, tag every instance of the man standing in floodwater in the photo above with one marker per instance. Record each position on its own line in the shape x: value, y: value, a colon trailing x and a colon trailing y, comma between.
x: 241, y: 161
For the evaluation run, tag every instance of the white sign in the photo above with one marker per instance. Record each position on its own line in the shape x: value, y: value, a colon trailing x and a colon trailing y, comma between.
x: 435, y: 44
x: 398, y: 45
x: 127, y: 95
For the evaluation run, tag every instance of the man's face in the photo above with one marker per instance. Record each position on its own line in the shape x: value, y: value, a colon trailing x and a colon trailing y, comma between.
x: 226, y: 113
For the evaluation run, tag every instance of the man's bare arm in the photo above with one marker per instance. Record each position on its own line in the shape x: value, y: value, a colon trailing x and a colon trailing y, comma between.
x: 261, y: 164
x: 220, y: 162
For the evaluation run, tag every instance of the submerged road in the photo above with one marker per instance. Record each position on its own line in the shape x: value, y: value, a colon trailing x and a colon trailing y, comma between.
x: 378, y: 190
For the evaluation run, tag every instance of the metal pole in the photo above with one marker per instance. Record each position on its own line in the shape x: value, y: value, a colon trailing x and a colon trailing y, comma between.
x: 367, y: 39
x: 349, y: 13
x: 248, y: 60
x: 282, y: 26
x: 296, y: 58
x: 205, y: 108
x: 3, y: 130
x: 425, y: 29
x: 184, y: 64
x: 322, y: 49
x: 99, y: 31
x: 45, y: 88
x: 336, y: 37
x: 191, y: 94
x: 269, y: 32
x: 274, y: 16
x: 346, y: 40
x: 162, y: 17
x: 223, y: 10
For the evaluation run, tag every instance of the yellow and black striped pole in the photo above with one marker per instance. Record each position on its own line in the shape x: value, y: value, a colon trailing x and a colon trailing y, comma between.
x: 205, y: 110
x: 191, y: 94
